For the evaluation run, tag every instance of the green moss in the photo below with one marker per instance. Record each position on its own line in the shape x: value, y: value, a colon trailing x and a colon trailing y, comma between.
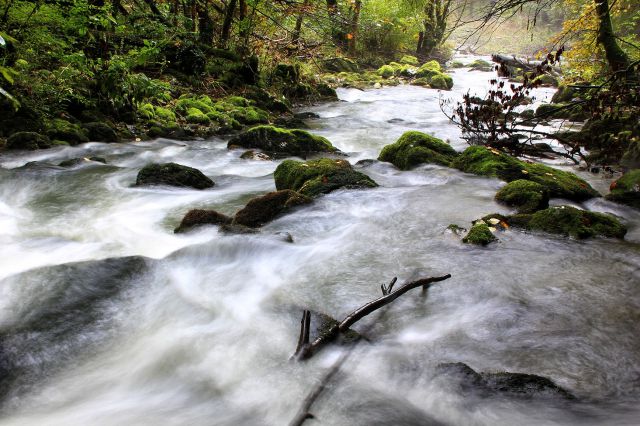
x: 525, y: 195
x: 563, y: 94
x: 441, y: 82
x: 146, y: 111
x: 386, y: 71
x: 414, y: 148
x: 409, y: 60
x: 427, y: 74
x: 481, y: 65
x: 164, y: 114
x: 456, y: 64
x: 561, y: 111
x: 63, y: 130
x: 431, y: 66
x: 184, y: 104
x: 489, y: 162
x: 546, y: 80
x: 569, y: 221
x: 277, y: 140
x: 196, y: 116
x: 27, y: 141
x: 316, y: 177
x: 626, y: 190
x: 479, y: 234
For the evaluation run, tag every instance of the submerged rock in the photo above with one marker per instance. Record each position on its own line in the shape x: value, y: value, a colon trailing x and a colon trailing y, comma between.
x: 316, y: 177
x: 525, y: 195
x: 479, y: 234
x: 28, y: 141
x: 570, y: 221
x: 82, y: 160
x: 197, y: 217
x: 515, y: 385
x: 282, y: 141
x: 173, y: 174
x: 626, y: 190
x: 262, y: 210
x: 490, y: 162
x: 415, y: 148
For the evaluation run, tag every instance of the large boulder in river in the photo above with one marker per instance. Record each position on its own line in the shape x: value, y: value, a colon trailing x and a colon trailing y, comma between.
x: 262, y: 210
x: 514, y: 385
x: 479, y: 234
x: 570, y: 222
x: 173, y: 174
x: 415, y: 148
x: 491, y: 162
x: 316, y: 177
x: 28, y: 141
x: 282, y: 141
x: 626, y: 190
x: 198, y: 217
x: 525, y: 195
x: 100, y: 132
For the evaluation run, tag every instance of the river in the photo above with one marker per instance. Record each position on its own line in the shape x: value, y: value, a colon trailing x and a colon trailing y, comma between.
x: 198, y: 329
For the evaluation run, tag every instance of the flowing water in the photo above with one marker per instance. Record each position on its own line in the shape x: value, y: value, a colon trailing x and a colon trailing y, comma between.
x: 109, y: 318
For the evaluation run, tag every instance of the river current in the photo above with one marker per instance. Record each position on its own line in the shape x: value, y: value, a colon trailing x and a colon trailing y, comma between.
x: 109, y: 318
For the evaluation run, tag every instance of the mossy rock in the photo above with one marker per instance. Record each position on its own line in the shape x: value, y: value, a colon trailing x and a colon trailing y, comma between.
x: 525, y: 195
x: 27, y: 141
x: 479, y: 234
x: 196, y: 116
x: 164, y: 114
x: 289, y: 73
x: 427, y: 74
x: 441, y: 82
x: 197, y: 217
x: 561, y: 112
x: 173, y: 174
x: 569, y: 221
x: 386, y: 71
x: 409, y: 60
x: 339, y: 65
x: 626, y: 190
x: 431, y: 66
x: 146, y: 111
x: 490, y: 162
x: 186, y: 103
x: 100, y: 132
x: 546, y: 80
x: 456, y: 64
x: 481, y: 65
x: 262, y: 210
x: 63, y: 130
x: 415, y: 148
x: 316, y: 177
x: 631, y: 157
x: 564, y: 94
x: 282, y: 141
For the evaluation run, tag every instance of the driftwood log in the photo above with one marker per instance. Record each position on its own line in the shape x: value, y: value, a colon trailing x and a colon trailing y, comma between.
x: 305, y: 350
x: 527, y: 65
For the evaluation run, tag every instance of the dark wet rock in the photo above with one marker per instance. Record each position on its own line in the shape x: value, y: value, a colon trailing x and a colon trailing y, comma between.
x: 366, y: 162
x: 198, y: 217
x: 561, y: 111
x: 306, y: 116
x: 395, y: 121
x: 82, y: 160
x: 316, y: 177
x: 515, y: 385
x: 337, y: 65
x: 255, y: 155
x: 490, y: 162
x: 173, y: 174
x: 479, y: 234
x: 27, y: 141
x: 100, y: 132
x: 525, y: 195
x: 626, y: 190
x: 290, y: 123
x: 415, y: 148
x: 282, y: 141
x: 74, y: 315
x: 237, y: 229
x: 262, y: 210
x: 66, y: 131
x: 570, y: 222
x: 631, y: 157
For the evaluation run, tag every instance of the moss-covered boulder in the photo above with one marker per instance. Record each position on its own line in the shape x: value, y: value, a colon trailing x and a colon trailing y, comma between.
x: 282, y: 141
x: 561, y: 111
x: 456, y: 64
x: 63, y: 130
x: 173, y: 174
x: 386, y: 71
x: 626, y: 190
x: 631, y: 157
x: 316, y: 177
x: 481, y: 65
x: 441, y: 82
x: 518, y: 385
x: 490, y: 162
x: 339, y: 65
x: 28, y: 141
x: 525, y: 195
x: 563, y: 94
x: 479, y: 234
x: 100, y: 132
x: 262, y: 210
x: 571, y: 222
x: 197, y: 217
x: 409, y: 60
x: 415, y: 148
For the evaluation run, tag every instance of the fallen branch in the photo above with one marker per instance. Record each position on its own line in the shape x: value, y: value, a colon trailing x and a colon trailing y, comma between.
x: 306, y: 350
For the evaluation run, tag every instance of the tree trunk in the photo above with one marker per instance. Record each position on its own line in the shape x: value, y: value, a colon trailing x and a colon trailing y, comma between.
x: 205, y: 24
x: 226, y: 25
x: 353, y: 34
x: 295, y: 38
x: 616, y: 57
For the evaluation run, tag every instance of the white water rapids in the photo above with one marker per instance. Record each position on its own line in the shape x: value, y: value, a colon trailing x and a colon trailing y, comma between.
x: 200, y: 329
